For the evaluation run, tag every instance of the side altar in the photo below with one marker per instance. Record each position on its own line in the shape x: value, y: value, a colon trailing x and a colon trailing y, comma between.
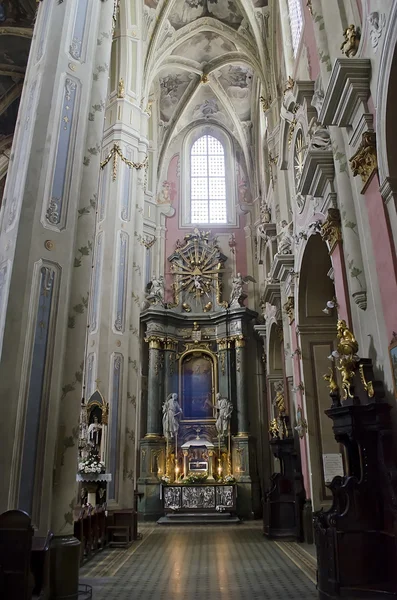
x: 197, y: 409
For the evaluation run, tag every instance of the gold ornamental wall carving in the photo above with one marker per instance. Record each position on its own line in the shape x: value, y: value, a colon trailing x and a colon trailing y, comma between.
x: 365, y: 162
x: 331, y: 229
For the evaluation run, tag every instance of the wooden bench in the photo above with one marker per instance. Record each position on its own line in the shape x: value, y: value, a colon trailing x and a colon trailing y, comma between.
x: 121, y: 527
x: 40, y: 565
x: 16, y: 533
x: 89, y: 529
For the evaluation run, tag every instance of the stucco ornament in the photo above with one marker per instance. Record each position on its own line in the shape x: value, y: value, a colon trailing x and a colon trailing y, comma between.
x: 318, y: 95
x: 377, y: 22
x: 285, y: 238
x: 270, y: 312
x: 319, y: 138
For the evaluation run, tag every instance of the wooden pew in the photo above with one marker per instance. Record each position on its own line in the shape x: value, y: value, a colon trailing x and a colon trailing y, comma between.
x: 89, y: 529
x: 40, y: 565
x: 16, y: 533
x: 121, y: 527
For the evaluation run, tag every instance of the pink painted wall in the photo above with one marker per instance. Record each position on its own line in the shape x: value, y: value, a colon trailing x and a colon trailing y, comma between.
x: 174, y: 232
x: 384, y: 253
x: 309, y: 41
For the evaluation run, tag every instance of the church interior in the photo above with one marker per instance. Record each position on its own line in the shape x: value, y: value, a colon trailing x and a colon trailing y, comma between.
x: 198, y: 299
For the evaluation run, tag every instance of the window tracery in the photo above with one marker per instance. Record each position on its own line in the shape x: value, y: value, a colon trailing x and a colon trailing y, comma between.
x: 208, y: 184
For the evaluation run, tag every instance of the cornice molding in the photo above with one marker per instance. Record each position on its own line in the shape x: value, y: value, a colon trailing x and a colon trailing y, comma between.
x: 318, y: 171
x: 348, y: 91
x: 272, y: 294
x: 282, y: 265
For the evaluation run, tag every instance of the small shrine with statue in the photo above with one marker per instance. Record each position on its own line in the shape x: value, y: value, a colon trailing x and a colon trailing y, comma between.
x: 197, y: 453
x: 93, y: 438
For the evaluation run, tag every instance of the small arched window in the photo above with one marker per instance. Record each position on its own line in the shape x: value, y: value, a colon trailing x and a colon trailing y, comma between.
x: 296, y: 22
x: 207, y: 181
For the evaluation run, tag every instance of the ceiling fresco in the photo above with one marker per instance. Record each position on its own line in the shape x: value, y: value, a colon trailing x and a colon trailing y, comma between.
x: 204, y: 47
x: 186, y: 11
x: 205, y: 60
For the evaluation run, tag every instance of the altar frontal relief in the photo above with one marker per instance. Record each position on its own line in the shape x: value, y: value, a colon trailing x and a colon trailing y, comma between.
x: 197, y: 374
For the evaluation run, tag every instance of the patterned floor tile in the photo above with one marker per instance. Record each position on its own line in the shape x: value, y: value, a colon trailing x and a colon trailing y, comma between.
x: 193, y: 563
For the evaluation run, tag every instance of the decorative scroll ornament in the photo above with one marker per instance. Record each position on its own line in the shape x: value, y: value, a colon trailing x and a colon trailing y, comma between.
x: 332, y: 384
x: 331, y: 230
x: 367, y: 385
x: 115, y: 153
x: 289, y: 84
x: 289, y: 308
x: 347, y: 353
x: 364, y: 162
x: 351, y: 42
x: 147, y: 242
x: 116, y: 8
x: 377, y: 23
x: 265, y: 102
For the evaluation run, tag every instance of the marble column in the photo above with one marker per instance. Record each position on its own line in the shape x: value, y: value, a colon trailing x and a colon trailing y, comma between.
x: 241, y: 397
x: 170, y: 368
x: 154, y: 423
x: 224, y: 367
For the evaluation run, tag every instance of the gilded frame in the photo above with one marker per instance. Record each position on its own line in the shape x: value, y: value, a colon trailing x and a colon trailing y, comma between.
x: 214, y: 390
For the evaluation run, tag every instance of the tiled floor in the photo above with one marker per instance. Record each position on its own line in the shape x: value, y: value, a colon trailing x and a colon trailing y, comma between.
x: 194, y: 563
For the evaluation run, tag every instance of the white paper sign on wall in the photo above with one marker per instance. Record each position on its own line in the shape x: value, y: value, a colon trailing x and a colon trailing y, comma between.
x: 333, y: 466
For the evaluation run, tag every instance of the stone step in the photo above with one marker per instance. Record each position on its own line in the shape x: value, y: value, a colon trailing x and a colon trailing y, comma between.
x: 198, y: 519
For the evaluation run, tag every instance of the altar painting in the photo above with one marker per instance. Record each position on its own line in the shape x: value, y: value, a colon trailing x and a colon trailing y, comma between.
x: 197, y: 375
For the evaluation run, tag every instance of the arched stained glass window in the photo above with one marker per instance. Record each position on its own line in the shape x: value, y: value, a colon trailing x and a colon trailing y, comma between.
x: 208, y: 185
x: 296, y: 22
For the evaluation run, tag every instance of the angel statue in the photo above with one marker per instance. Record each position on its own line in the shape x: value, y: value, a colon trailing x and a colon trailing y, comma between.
x: 171, y: 416
x: 237, y: 295
x: 225, y: 409
x: 155, y: 290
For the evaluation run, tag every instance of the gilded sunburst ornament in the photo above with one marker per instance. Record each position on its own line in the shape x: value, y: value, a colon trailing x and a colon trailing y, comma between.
x: 299, y: 157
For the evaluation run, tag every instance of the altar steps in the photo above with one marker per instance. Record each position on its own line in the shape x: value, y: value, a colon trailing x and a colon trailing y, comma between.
x: 197, y: 518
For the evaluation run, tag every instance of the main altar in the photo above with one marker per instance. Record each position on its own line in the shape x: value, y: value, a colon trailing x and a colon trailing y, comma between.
x: 197, y: 452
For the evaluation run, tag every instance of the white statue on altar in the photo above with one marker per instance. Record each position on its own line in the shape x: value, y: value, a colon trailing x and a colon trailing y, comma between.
x: 171, y: 416
x: 225, y: 409
x: 94, y: 432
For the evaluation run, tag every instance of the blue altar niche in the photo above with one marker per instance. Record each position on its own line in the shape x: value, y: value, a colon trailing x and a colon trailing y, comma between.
x: 197, y: 386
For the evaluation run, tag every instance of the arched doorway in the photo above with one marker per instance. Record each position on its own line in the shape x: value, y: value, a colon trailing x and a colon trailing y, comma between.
x: 317, y: 328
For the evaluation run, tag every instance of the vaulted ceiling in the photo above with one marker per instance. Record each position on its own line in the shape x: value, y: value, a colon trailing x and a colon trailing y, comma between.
x: 204, y: 61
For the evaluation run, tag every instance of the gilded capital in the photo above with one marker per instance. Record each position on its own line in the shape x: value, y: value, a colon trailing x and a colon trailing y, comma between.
x: 154, y: 342
x: 170, y: 345
x: 223, y: 344
x: 331, y: 230
x: 239, y: 342
x: 365, y: 162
